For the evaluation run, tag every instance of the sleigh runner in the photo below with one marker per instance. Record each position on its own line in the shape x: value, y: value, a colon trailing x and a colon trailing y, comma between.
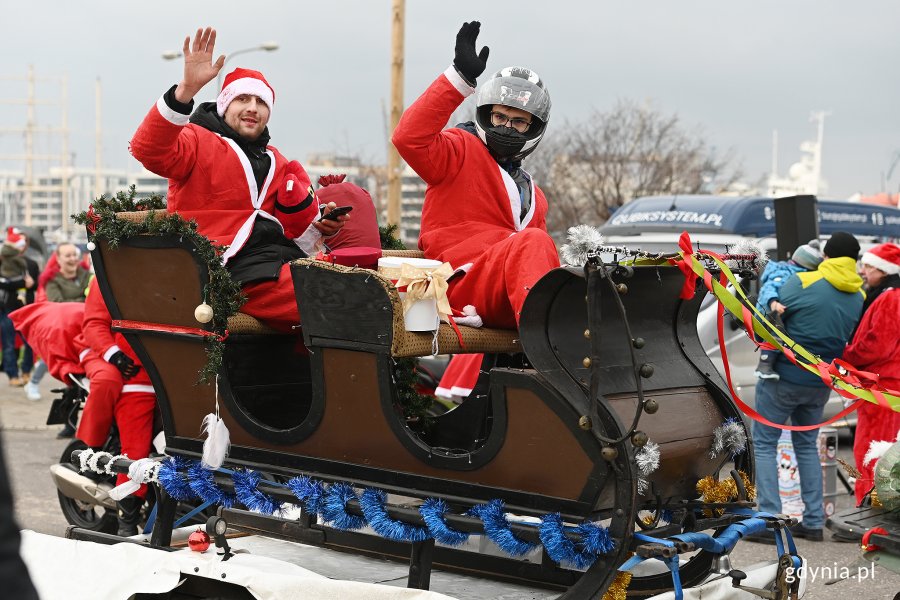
x: 605, y: 369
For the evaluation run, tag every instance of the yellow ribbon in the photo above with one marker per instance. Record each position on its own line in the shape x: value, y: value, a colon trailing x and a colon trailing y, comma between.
x: 423, y: 284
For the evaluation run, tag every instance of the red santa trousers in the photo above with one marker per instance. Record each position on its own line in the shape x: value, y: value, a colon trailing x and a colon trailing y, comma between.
x: 501, y: 277
x: 134, y: 416
x: 99, y: 410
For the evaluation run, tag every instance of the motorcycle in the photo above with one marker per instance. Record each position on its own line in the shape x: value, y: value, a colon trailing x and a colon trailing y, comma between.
x: 84, y: 497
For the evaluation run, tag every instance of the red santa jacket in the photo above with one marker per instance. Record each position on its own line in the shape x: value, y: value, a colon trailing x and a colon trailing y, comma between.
x: 100, y: 338
x: 210, y: 178
x: 876, y: 344
x: 471, y: 203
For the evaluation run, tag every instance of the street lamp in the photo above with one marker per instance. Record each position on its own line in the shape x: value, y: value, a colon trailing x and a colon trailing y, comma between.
x: 267, y: 46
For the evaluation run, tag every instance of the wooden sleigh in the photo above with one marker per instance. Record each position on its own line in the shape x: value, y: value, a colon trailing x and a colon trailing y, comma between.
x: 605, y: 359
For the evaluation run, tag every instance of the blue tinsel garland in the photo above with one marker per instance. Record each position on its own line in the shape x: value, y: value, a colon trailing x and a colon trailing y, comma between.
x: 331, y: 503
x: 174, y: 481
x: 372, y: 504
x: 595, y: 538
x: 245, y: 488
x: 204, y: 485
x: 334, y: 508
x: 433, y: 512
x: 496, y: 527
x: 309, y: 491
x: 559, y: 547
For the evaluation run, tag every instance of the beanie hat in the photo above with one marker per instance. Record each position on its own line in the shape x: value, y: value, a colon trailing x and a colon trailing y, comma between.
x: 244, y: 81
x: 807, y: 257
x: 841, y: 244
x: 885, y: 257
x: 15, y: 238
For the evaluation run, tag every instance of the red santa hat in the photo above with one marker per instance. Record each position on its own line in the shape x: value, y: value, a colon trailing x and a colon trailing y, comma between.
x: 244, y: 81
x: 884, y: 257
x: 15, y: 238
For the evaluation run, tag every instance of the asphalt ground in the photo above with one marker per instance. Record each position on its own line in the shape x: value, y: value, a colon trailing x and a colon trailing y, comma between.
x: 31, y: 447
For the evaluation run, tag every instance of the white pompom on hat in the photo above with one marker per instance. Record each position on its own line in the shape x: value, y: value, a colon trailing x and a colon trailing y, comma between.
x: 884, y: 257
x: 244, y: 81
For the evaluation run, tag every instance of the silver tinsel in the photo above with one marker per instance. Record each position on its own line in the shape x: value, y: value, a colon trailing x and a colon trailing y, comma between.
x: 647, y: 458
x: 583, y: 239
x: 748, y: 246
x: 643, y: 486
x: 730, y: 437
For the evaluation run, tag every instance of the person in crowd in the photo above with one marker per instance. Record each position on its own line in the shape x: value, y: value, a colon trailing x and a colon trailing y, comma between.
x: 821, y: 309
x: 875, y: 347
x: 71, y: 282
x: 483, y: 212
x: 805, y: 258
x: 241, y: 191
x: 15, y: 280
x: 65, y: 279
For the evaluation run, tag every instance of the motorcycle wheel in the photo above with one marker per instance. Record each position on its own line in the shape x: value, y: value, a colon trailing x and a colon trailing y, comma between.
x: 82, y: 514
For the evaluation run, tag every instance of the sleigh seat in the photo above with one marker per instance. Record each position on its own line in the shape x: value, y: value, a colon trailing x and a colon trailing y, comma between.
x: 403, y: 343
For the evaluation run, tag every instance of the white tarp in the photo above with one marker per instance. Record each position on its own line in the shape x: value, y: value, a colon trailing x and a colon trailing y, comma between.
x: 75, y: 570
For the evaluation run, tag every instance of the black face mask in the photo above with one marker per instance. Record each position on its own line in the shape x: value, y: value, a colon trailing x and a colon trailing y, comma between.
x: 504, y: 142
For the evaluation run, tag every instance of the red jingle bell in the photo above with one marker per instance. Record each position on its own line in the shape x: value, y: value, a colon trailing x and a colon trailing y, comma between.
x: 198, y: 541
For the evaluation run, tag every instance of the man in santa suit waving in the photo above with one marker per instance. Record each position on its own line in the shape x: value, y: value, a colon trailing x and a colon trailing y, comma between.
x: 482, y: 213
x: 241, y: 191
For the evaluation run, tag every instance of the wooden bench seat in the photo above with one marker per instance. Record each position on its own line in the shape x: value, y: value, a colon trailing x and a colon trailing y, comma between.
x: 404, y: 343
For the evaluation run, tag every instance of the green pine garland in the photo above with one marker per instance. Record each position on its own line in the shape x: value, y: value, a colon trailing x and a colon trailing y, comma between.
x: 222, y: 293
x: 413, y: 404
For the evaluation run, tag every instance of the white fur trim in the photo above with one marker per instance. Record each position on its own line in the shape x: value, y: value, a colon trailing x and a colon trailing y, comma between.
x: 873, y: 260
x: 453, y: 392
x: 137, y: 387
x: 470, y: 317
x: 310, y: 241
x: 256, y: 199
x: 515, y: 199
x: 112, y: 350
x: 172, y: 116
x: 458, y: 82
x: 244, y: 85
x: 876, y: 450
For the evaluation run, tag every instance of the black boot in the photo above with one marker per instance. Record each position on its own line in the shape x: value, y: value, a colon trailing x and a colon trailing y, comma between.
x: 129, y: 515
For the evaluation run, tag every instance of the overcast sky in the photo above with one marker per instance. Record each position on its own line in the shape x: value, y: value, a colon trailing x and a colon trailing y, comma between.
x: 735, y: 70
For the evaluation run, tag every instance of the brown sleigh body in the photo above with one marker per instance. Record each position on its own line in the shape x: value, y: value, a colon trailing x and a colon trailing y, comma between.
x: 325, y: 403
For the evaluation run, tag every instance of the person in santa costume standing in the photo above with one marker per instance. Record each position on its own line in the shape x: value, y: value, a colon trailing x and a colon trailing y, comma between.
x: 875, y: 347
x: 223, y: 173
x: 483, y: 212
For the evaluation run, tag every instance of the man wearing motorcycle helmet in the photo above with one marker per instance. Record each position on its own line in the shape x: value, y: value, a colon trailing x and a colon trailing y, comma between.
x: 483, y: 213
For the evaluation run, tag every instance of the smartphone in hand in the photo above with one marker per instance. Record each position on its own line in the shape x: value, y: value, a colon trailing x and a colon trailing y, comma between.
x: 336, y: 212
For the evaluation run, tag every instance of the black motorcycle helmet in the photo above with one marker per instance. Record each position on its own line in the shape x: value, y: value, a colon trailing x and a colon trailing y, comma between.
x: 516, y: 87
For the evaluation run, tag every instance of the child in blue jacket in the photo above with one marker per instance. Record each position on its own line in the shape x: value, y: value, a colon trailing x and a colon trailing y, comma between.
x: 805, y: 258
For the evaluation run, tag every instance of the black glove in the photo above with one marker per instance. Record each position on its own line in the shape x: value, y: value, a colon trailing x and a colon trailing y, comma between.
x: 124, y: 364
x: 469, y: 64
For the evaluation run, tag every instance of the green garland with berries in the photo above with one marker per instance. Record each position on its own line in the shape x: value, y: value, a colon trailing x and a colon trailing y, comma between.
x: 222, y: 292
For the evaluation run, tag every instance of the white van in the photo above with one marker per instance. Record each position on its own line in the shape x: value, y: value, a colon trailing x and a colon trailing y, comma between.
x: 654, y: 224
